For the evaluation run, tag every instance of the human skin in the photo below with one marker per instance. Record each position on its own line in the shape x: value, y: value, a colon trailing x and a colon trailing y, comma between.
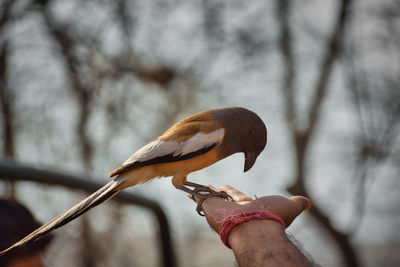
x: 34, y: 260
x: 260, y: 242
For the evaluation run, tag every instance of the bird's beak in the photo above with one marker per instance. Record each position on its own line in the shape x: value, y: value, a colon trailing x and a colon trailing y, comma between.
x: 249, y: 160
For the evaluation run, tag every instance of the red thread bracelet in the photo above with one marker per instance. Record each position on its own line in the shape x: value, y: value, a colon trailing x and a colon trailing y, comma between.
x: 233, y: 220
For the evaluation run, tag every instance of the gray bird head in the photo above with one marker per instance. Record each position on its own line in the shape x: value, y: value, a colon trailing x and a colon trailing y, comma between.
x: 252, y: 152
x: 255, y: 142
x: 245, y: 132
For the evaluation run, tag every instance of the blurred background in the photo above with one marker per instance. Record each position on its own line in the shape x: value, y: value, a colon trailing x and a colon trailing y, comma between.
x: 84, y: 84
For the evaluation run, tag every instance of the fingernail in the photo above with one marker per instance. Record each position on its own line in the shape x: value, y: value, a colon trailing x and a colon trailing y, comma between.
x: 308, y: 202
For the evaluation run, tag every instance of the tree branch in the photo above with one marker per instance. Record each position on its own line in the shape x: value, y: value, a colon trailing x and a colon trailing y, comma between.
x: 285, y: 45
x: 301, y: 137
x: 331, y: 53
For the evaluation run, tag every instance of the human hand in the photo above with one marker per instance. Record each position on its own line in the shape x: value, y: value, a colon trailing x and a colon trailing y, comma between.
x: 217, y: 209
x: 258, y: 242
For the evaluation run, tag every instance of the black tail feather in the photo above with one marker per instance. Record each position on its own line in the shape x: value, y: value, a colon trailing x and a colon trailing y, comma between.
x: 103, y: 194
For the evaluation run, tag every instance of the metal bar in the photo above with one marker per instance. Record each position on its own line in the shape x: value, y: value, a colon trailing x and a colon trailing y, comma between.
x: 13, y: 171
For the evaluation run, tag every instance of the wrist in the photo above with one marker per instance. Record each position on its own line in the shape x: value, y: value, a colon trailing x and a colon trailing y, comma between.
x: 251, y: 231
x: 233, y: 221
x: 264, y: 243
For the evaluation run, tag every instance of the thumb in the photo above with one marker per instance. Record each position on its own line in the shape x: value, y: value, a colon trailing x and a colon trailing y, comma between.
x: 299, y: 204
x: 302, y: 202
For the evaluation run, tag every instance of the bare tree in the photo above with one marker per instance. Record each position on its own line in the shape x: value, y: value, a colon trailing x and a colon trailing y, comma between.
x: 376, y: 98
x: 7, y: 97
x: 302, y: 134
x: 85, y: 76
x: 83, y: 91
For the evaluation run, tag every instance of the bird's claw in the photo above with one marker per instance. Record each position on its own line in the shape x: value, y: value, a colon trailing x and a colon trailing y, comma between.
x: 202, y: 192
x: 210, y: 193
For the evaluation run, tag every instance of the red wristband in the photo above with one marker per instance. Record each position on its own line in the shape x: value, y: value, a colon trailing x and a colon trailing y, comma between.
x: 231, y: 221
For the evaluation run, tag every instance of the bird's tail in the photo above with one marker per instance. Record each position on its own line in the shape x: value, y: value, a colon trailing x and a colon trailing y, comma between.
x: 101, y: 195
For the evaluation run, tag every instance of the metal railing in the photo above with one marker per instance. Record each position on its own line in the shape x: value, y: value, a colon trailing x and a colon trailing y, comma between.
x: 13, y: 171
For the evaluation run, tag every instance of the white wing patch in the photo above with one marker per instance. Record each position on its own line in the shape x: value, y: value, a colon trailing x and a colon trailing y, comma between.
x: 158, y: 148
x: 199, y: 141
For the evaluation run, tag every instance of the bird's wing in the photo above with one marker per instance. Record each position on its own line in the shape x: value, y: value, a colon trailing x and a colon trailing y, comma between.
x: 162, y: 151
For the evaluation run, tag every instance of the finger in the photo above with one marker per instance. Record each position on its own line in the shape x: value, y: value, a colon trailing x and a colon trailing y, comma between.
x: 192, y: 197
x: 237, y: 195
x: 303, y: 202
x: 226, y: 188
x: 212, y: 187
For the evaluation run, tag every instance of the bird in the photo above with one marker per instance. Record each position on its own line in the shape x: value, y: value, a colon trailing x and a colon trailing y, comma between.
x: 191, y: 144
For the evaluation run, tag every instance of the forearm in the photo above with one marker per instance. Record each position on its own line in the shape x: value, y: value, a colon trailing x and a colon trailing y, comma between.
x: 264, y: 243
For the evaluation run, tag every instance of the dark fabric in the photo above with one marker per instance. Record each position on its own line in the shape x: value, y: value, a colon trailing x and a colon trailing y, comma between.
x: 16, y: 222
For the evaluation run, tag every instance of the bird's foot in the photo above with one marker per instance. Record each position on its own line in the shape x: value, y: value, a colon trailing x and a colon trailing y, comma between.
x: 206, y: 189
x: 202, y: 192
x: 203, y: 197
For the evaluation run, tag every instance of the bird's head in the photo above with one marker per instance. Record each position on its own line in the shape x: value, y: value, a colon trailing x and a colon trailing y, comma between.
x: 255, y: 143
x: 246, y: 133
